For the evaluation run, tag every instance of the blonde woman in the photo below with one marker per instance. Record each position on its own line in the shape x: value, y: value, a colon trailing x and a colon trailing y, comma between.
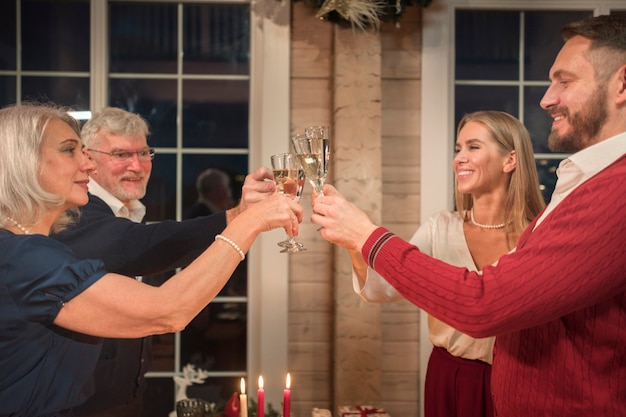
x: 497, y: 195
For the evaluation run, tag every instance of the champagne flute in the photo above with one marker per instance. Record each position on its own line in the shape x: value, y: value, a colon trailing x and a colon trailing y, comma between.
x: 313, y: 155
x: 322, y: 133
x: 289, y: 179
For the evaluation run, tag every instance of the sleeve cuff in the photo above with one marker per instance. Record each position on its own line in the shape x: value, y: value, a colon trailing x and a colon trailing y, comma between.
x: 374, y: 243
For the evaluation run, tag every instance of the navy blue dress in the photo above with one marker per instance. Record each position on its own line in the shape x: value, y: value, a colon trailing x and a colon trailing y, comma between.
x: 44, y: 369
x: 131, y: 249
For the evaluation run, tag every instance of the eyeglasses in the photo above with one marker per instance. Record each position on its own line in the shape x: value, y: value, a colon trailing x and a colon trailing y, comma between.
x: 121, y: 156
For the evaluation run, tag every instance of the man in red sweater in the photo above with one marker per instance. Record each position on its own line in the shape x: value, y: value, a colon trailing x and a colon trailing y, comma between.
x: 557, y: 305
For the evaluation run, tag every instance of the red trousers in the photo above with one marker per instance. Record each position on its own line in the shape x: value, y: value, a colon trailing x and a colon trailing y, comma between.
x: 457, y: 387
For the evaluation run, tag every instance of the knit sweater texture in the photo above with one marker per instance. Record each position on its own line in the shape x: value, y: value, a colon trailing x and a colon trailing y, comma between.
x: 557, y: 305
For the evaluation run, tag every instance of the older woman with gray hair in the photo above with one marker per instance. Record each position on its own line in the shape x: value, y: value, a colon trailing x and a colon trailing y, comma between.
x: 55, y: 307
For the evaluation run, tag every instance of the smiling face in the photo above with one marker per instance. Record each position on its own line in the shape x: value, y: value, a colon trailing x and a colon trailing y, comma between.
x: 574, y: 99
x: 479, y: 164
x: 64, y: 167
x: 125, y: 179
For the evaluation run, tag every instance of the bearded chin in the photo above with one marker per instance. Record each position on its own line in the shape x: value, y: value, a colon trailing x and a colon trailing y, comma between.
x: 568, y: 143
x: 584, y: 128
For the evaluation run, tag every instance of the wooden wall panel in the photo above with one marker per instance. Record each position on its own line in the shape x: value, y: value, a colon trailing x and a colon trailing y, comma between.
x: 402, y: 389
x: 310, y: 273
x: 314, y: 302
x: 357, y: 120
x: 401, y: 80
x: 310, y: 326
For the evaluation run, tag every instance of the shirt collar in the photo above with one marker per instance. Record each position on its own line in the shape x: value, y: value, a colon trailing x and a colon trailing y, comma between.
x: 135, y: 212
x: 596, y: 157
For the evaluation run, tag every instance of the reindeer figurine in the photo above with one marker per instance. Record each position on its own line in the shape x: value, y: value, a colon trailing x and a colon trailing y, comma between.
x: 190, y: 377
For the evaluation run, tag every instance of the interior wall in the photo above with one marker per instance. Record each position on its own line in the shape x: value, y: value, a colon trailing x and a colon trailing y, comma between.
x: 318, y: 344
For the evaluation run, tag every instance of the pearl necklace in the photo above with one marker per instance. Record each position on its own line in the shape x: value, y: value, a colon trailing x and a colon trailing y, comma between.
x: 485, y: 226
x: 19, y: 226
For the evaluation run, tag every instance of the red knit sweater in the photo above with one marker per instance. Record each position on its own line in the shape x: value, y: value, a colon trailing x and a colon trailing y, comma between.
x: 557, y: 305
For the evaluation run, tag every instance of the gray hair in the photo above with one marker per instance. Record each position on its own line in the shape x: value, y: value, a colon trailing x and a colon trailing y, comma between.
x: 22, y: 131
x: 114, y: 121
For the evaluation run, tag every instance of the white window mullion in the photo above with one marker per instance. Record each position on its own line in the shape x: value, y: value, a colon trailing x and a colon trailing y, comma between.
x: 268, y: 278
x: 99, y: 59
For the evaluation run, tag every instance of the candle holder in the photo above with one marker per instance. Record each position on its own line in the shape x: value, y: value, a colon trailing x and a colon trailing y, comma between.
x: 193, y: 407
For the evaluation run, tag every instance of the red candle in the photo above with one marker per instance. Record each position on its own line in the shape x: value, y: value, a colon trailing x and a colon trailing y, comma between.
x: 260, y: 412
x: 287, y: 398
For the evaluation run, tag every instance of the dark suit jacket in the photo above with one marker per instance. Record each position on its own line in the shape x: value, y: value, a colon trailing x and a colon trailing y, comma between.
x: 132, y: 249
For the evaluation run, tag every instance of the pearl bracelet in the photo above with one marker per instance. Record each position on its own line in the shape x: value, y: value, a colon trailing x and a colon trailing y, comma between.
x: 233, y: 244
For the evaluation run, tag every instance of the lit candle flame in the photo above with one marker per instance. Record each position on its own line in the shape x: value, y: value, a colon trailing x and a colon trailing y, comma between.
x: 243, y: 386
x: 288, y: 383
x: 260, y: 382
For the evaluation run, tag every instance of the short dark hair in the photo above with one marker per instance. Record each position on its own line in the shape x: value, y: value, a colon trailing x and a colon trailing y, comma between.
x: 608, y: 31
x: 607, y: 34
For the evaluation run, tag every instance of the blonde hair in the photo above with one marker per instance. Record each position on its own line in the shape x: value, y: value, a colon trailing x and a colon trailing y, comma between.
x: 22, y: 131
x: 523, y: 198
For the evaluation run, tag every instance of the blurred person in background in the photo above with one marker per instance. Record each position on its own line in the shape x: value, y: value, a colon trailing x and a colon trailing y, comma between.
x: 214, y: 194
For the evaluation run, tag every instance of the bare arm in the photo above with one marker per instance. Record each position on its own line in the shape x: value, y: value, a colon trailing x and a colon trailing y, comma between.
x: 116, y: 306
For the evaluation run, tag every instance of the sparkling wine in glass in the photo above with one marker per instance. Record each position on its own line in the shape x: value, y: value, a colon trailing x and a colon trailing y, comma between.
x: 322, y: 133
x: 312, y: 153
x: 289, y: 179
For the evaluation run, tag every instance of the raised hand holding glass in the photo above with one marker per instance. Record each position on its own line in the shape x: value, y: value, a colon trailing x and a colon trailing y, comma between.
x: 289, y: 179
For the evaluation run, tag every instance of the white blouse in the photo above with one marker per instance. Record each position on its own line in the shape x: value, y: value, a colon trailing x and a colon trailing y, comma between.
x: 441, y: 237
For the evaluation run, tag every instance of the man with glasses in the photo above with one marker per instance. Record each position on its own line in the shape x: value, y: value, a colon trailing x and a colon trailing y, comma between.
x: 110, y: 228
x: 116, y: 140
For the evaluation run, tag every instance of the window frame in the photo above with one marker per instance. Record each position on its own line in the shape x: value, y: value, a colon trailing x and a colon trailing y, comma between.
x: 268, y: 134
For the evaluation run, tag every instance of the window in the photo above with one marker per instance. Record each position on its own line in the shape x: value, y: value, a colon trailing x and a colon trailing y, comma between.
x: 510, y: 74
x: 186, y: 69
x: 56, y: 70
x: 192, y: 70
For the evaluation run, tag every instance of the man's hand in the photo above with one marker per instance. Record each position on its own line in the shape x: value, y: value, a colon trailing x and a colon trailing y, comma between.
x: 257, y: 187
x: 343, y: 223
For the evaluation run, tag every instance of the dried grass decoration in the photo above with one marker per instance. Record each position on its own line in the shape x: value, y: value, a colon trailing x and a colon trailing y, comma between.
x: 362, y: 14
